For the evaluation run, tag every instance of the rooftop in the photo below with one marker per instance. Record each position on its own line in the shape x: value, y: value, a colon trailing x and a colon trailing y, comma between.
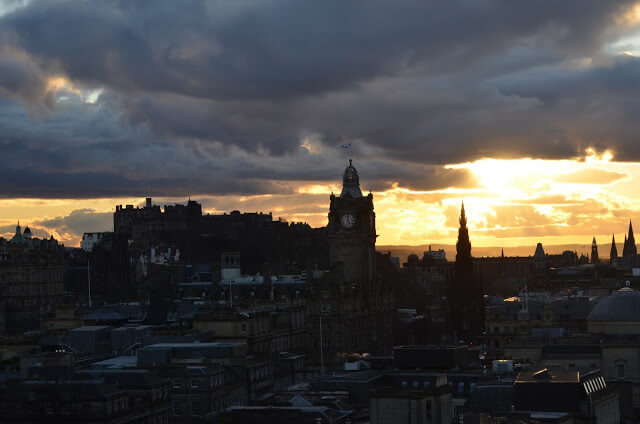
x: 621, y: 305
x: 548, y: 376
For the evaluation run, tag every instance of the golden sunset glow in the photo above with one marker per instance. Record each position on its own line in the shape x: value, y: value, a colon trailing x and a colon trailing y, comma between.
x: 271, y: 132
x: 630, y: 16
x: 513, y: 203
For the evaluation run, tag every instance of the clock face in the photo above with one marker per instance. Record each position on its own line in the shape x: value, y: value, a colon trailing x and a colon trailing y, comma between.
x: 347, y: 220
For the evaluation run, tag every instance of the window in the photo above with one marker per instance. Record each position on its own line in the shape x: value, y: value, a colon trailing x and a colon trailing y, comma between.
x: 460, y: 387
x: 472, y: 387
x: 195, y: 383
x: 177, y: 384
x: 620, y: 370
x: 496, y: 329
x: 177, y: 407
x: 194, y: 408
x: 244, y: 328
x: 426, y: 384
x: 404, y: 384
x: 415, y: 384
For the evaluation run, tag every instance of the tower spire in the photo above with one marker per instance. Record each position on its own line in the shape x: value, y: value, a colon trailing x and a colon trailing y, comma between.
x: 463, y: 245
x: 630, y: 244
x: 594, y: 251
x: 613, y: 254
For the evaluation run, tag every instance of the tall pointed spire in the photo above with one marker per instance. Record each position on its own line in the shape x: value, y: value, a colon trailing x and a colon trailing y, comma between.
x: 625, y: 247
x: 465, y: 294
x: 613, y: 254
x: 463, y: 246
x: 629, y: 243
x: 594, y: 252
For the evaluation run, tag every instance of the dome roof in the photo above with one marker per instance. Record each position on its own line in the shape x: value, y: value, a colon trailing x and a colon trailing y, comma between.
x: 27, y: 230
x: 622, y: 305
x: 351, y: 182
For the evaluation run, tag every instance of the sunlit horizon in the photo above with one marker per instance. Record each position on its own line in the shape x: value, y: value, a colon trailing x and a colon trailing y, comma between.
x: 512, y: 202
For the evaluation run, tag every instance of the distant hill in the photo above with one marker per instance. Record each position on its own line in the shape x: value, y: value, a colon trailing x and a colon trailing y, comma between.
x: 404, y: 251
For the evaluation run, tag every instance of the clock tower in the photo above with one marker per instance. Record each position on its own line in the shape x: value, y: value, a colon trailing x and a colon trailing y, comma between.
x: 352, y: 229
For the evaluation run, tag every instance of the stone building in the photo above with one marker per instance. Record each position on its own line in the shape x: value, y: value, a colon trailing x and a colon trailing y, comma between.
x: 350, y: 307
x: 266, y: 328
x: 616, y: 321
x: 31, y: 279
x: 133, y: 397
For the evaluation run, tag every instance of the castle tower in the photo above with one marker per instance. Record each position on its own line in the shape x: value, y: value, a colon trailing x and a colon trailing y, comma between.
x: 594, y: 251
x: 352, y: 229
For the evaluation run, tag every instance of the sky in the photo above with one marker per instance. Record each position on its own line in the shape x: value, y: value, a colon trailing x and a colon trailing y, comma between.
x: 526, y: 111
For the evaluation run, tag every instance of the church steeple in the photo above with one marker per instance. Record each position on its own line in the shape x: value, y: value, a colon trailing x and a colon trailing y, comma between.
x: 613, y: 254
x: 630, y: 248
x: 594, y: 251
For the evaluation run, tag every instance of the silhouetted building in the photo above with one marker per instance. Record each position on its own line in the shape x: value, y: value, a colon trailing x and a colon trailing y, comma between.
x: 630, y: 243
x: 352, y: 230
x: 350, y: 307
x: 594, y: 252
x: 50, y: 395
x: 31, y: 279
x: 585, y: 395
x: 466, y: 303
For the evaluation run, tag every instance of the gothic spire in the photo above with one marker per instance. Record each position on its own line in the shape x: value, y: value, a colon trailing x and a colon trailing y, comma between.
x: 625, y: 246
x: 463, y: 246
x: 630, y: 244
x: 614, y: 250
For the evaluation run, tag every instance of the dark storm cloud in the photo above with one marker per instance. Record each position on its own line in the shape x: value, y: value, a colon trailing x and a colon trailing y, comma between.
x: 88, y: 151
x: 286, y: 48
x: 217, y: 97
x: 22, y: 80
